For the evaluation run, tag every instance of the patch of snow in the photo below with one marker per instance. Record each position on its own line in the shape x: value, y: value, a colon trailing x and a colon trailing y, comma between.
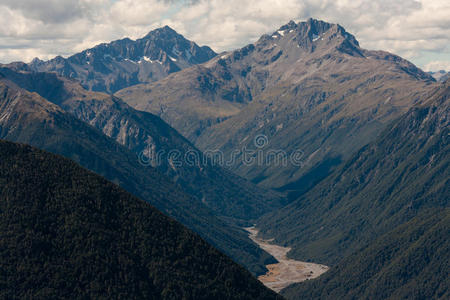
x: 131, y: 61
x: 88, y: 54
x: 172, y: 59
x: 315, y: 37
x: 279, y: 127
x: 292, y: 30
x: 281, y: 32
x: 275, y: 36
x: 225, y: 56
x: 147, y: 59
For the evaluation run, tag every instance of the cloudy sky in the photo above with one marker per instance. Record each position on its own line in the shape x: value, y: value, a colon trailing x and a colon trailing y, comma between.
x: 415, y: 29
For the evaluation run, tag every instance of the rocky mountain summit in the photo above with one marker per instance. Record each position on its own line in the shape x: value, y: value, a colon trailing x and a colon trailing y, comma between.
x: 122, y: 63
x: 307, y: 87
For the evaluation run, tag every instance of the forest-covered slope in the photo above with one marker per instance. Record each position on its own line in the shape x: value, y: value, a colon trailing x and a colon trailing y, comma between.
x: 409, y: 262
x: 385, y: 184
x: 67, y: 233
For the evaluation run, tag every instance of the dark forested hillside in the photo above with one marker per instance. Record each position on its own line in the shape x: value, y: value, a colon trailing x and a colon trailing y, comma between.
x: 385, y: 184
x: 28, y: 118
x: 409, y: 262
x: 67, y: 233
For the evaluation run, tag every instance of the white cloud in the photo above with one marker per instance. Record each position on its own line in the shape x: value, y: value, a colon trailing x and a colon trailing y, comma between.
x: 417, y: 30
x: 229, y: 24
x: 135, y: 13
x: 437, y: 66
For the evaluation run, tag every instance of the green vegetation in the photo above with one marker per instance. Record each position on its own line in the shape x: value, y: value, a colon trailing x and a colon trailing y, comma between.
x: 387, y: 183
x: 409, y: 262
x: 67, y: 233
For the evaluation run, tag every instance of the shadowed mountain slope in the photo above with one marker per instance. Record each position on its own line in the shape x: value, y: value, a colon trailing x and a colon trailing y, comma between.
x: 68, y: 233
x: 156, y: 143
x: 27, y: 117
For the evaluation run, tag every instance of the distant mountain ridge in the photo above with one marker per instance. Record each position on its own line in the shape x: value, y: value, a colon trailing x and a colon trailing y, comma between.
x: 122, y: 63
x: 440, y: 76
x: 309, y: 86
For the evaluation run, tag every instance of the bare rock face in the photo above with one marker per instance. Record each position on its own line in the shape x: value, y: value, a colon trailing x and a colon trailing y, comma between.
x: 119, y: 64
x: 307, y: 87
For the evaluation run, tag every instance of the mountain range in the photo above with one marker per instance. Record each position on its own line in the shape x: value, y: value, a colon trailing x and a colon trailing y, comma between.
x: 141, y: 133
x: 308, y: 87
x: 338, y: 152
x: 122, y: 63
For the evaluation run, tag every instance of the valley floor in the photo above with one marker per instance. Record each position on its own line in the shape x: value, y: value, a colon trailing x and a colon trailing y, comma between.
x: 287, y: 271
